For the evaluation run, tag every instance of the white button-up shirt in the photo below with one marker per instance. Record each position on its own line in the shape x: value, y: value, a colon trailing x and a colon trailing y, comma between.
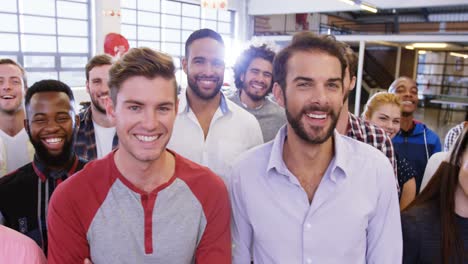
x: 232, y: 131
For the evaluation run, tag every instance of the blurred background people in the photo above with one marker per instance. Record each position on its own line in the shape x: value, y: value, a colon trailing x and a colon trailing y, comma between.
x: 384, y: 110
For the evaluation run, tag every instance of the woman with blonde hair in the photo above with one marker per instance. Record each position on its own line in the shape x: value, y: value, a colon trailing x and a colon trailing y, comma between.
x: 384, y: 110
x: 435, y: 224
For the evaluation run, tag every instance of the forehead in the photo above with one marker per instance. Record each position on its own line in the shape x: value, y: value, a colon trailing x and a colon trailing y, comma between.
x: 260, y: 63
x: 9, y: 70
x: 100, y: 70
x: 313, y: 64
x: 145, y: 90
x: 389, y: 109
x: 206, y: 47
x: 50, y: 101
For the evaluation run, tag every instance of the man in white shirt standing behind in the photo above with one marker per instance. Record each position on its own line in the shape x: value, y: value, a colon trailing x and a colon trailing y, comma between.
x: 210, y: 129
x: 17, y: 149
x: 96, y: 136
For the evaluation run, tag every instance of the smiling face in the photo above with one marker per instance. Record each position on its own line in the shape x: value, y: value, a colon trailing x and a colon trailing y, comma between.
x: 204, y: 67
x: 407, y: 90
x: 144, y: 115
x: 313, y: 95
x: 257, y: 79
x: 51, y: 126
x: 388, y: 117
x: 11, y: 89
x: 97, y: 87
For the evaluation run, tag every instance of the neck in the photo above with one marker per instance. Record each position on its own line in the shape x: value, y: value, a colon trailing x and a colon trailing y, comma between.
x: 146, y: 176
x: 300, y: 156
x: 200, y: 105
x: 100, y: 118
x: 63, y: 166
x: 461, y: 203
x: 11, y: 124
x: 406, y: 122
x: 251, y: 104
x: 343, y: 119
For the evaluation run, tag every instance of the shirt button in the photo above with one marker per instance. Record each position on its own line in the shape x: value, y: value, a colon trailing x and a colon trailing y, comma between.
x: 308, y: 225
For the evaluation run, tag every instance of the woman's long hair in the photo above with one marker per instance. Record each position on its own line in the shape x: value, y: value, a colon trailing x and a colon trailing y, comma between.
x: 441, y: 191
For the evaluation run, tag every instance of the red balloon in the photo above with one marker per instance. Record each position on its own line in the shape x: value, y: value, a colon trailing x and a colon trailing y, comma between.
x: 115, y: 43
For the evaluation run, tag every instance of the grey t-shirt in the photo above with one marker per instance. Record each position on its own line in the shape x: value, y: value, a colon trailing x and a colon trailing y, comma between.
x: 270, y: 115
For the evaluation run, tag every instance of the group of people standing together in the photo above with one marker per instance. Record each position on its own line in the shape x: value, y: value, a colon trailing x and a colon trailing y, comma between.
x: 147, y: 175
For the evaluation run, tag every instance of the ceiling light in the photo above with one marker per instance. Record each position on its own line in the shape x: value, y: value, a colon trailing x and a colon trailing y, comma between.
x: 430, y: 45
x: 461, y: 55
x: 409, y: 47
x: 349, y: 2
x: 368, y: 7
x: 422, y: 52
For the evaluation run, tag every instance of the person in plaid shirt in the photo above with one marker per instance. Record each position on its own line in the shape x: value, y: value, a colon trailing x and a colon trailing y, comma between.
x: 354, y: 127
x: 96, y: 136
x: 453, y: 134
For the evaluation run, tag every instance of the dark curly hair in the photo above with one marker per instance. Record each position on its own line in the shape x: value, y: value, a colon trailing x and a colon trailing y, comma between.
x: 244, y: 60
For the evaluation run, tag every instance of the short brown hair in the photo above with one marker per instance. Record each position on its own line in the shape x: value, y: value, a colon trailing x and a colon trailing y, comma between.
x: 98, y: 60
x: 141, y: 62
x: 351, y: 59
x: 7, y: 61
x: 306, y: 41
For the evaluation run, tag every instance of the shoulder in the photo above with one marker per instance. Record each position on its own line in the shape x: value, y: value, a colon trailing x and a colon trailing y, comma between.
x: 253, y: 162
x: 16, y: 176
x: 19, y: 247
x: 240, y: 113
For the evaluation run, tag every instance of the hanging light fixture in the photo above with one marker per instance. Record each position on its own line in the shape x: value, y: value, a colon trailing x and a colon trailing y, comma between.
x: 214, y: 4
x: 362, y: 5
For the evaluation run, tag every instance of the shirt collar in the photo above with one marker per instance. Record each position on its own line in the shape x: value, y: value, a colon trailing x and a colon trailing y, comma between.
x: 339, y: 160
x: 184, y: 106
x: 44, y: 172
x: 238, y: 93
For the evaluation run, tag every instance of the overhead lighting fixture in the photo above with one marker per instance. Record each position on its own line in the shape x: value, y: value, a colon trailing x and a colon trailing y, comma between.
x: 349, y: 2
x: 409, y: 47
x: 429, y: 45
x: 422, y: 52
x: 368, y: 8
x: 461, y: 55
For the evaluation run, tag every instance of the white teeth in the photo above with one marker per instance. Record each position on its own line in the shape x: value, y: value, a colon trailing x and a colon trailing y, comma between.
x: 53, y: 140
x: 257, y: 86
x: 103, y: 96
x: 407, y: 102
x: 7, y: 97
x: 147, y: 138
x: 322, y: 116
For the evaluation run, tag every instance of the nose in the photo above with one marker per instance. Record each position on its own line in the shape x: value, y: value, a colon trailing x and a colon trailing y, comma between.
x: 150, y: 120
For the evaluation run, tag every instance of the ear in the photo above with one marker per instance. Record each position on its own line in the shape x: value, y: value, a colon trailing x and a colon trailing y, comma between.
x: 110, y: 111
x: 242, y: 77
x: 26, y: 125
x: 279, y: 95
x: 77, y: 121
x: 177, y: 105
x: 87, y: 87
x: 184, y: 64
x: 352, y: 84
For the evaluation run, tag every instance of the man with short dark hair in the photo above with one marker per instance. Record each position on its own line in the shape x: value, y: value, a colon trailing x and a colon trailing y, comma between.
x: 311, y: 195
x: 142, y: 203
x: 254, y: 81
x: 15, y: 148
x: 96, y: 136
x: 51, y: 125
x: 210, y: 129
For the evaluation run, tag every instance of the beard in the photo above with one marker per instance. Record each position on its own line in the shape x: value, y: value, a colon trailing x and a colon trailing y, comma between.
x: 299, y: 128
x: 59, y: 160
x: 97, y: 106
x: 254, y: 97
x: 194, y: 86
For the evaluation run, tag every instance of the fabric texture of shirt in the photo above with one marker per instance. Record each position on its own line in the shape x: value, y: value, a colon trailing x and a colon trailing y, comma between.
x: 19, y: 249
x: 98, y: 213
x: 422, y: 235
x: 270, y: 115
x: 85, y: 145
x: 452, y: 135
x: 25, y: 194
x: 18, y: 150
x: 104, y: 139
x: 232, y: 131
x: 417, y: 146
x: 354, y: 216
x: 405, y: 171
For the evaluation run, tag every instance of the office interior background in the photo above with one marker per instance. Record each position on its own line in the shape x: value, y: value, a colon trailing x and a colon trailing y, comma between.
x: 426, y: 40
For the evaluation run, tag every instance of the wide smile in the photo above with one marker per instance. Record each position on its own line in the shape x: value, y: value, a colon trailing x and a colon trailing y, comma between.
x: 317, y: 118
x: 207, y: 83
x: 147, y: 138
x: 8, y: 97
x: 407, y: 102
x: 53, y: 143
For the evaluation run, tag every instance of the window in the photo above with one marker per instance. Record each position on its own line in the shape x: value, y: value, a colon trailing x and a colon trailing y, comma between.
x: 165, y: 25
x: 50, y: 38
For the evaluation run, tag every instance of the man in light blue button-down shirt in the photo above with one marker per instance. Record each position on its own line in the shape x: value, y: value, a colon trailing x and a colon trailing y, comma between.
x: 312, y: 195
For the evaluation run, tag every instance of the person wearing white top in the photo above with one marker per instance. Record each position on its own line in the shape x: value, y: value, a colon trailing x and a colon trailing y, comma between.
x: 432, y: 165
x: 209, y: 129
x: 18, y: 151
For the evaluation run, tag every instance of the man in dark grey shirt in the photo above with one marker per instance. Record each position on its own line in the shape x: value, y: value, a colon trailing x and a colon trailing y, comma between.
x: 254, y: 80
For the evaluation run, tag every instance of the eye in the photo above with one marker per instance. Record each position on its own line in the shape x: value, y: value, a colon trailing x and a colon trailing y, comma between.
x: 39, y: 121
x: 62, y: 119
x: 134, y: 108
x: 268, y: 75
x: 218, y: 63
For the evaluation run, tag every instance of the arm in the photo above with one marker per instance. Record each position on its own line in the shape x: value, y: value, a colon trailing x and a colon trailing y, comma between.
x: 66, y: 231
x: 408, y: 193
x: 240, y: 226
x: 215, y: 244
x: 384, y: 241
